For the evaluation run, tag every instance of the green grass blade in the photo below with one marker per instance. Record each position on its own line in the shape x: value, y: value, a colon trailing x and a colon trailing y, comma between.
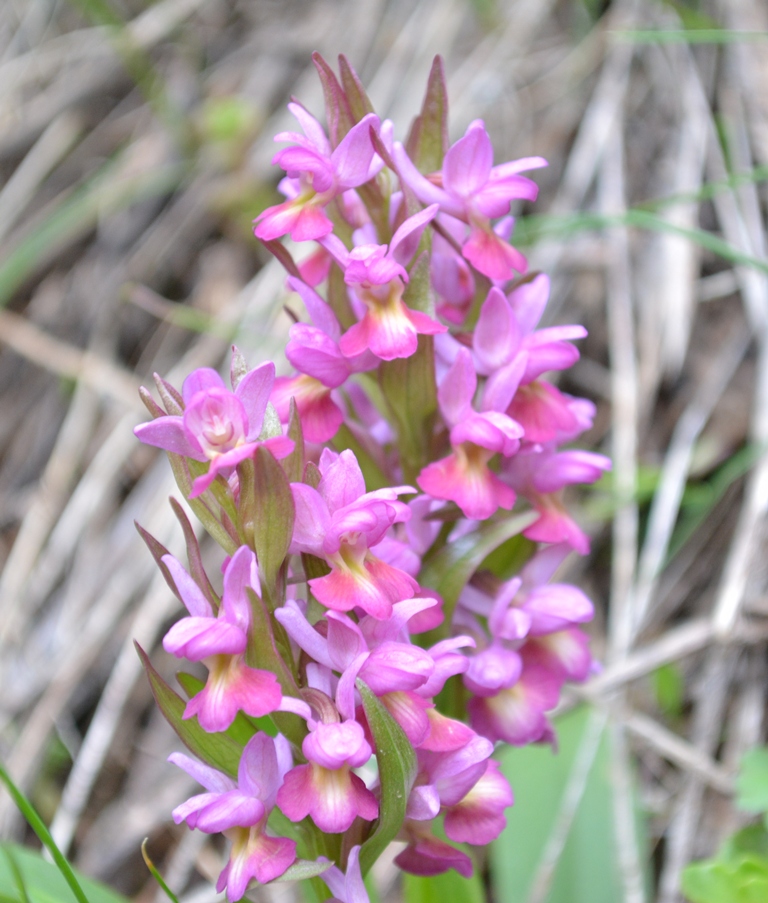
x: 533, y: 229
x: 38, y: 826
x: 686, y: 36
x: 155, y: 874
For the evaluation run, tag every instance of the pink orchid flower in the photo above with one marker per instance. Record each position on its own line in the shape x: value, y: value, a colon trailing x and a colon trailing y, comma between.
x: 321, y: 175
x: 464, y: 476
x: 220, y: 641
x: 427, y: 855
x: 539, y: 473
x: 325, y: 788
x: 314, y: 351
x: 473, y: 190
x: 340, y: 522
x: 241, y: 809
x: 389, y: 328
x: 217, y: 425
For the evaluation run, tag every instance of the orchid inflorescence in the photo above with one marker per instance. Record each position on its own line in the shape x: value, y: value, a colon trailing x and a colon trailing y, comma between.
x: 388, y: 613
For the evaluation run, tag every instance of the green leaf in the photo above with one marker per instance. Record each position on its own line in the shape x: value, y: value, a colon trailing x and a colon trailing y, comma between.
x: 752, y: 840
x: 713, y: 881
x: 43, y: 882
x: 397, y: 772
x: 752, y: 781
x: 449, y: 571
x: 218, y: 750
x: 18, y: 878
x: 587, y: 868
x: 450, y: 887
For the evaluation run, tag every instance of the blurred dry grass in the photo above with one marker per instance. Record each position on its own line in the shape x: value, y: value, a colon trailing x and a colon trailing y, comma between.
x: 124, y: 216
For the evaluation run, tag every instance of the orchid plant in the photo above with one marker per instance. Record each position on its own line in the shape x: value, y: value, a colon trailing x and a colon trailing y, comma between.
x: 366, y: 655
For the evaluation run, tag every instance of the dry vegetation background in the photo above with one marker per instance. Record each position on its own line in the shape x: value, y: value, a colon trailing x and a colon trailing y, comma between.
x: 125, y: 248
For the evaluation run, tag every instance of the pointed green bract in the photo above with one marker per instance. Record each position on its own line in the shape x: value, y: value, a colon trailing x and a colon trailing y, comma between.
x: 212, y: 524
x: 397, y: 772
x: 337, y: 110
x: 432, y: 140
x: 273, y: 519
x: 408, y: 385
x: 218, y: 750
x: 359, y: 102
x: 293, y: 464
x: 194, y: 557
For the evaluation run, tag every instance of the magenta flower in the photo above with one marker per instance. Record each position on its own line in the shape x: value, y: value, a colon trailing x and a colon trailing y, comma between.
x: 321, y: 175
x: 314, y: 351
x: 325, y: 788
x: 241, y: 809
x: 386, y: 666
x: 339, y: 522
x: 539, y: 474
x: 516, y: 714
x: 389, y: 328
x: 217, y: 425
x: 220, y: 641
x: 475, y: 191
x: 446, y: 777
x: 464, y: 476
x: 426, y: 855
x: 478, y: 818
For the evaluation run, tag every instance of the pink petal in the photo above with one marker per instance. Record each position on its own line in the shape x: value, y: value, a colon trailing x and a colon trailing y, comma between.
x: 253, y: 391
x: 474, y: 488
x: 458, y: 389
x: 201, y: 380
x: 312, y: 521
x: 198, y: 638
x: 424, y: 190
x: 479, y: 817
x: 492, y: 256
x: 352, y: 158
x: 312, y: 223
x: 342, y: 483
x: 191, y: 594
x: 406, y: 238
x: 311, y: 127
x: 467, y: 165
x: 170, y: 434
